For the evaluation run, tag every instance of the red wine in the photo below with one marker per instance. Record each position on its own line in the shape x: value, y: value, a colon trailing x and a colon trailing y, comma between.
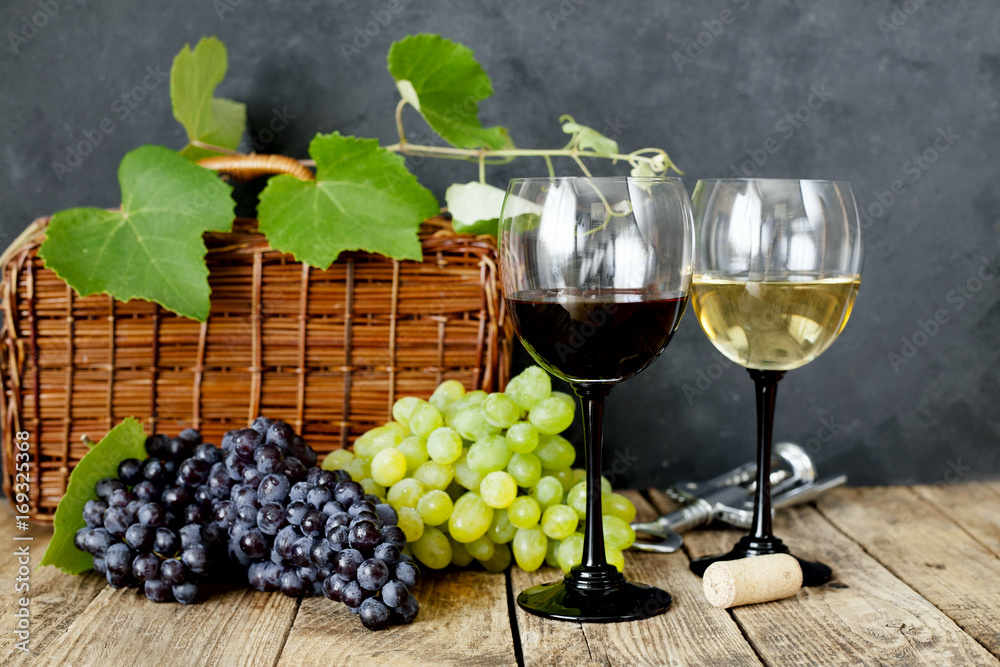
x: 605, y: 335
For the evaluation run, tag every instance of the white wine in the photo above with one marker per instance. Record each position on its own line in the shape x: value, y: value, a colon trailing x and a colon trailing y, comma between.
x: 773, y: 325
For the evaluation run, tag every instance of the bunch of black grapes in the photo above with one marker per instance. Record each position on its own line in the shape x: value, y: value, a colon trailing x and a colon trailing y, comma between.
x: 152, y: 525
x: 259, y: 502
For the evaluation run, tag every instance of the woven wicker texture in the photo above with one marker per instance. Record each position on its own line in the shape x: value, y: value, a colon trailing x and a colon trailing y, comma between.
x: 328, y: 351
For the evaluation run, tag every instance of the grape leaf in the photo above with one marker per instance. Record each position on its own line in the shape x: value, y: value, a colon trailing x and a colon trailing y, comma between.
x: 363, y: 198
x: 442, y: 80
x: 474, y: 207
x: 587, y: 138
x: 152, y: 248
x: 125, y: 441
x: 194, y: 76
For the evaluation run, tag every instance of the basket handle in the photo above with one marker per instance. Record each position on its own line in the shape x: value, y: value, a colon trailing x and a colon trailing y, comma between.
x: 249, y: 167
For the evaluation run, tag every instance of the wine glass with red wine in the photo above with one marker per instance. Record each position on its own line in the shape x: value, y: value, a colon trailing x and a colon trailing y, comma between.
x: 776, y: 273
x: 595, y: 275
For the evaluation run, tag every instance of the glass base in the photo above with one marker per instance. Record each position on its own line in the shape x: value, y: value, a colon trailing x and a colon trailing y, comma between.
x: 596, y: 596
x: 813, y: 573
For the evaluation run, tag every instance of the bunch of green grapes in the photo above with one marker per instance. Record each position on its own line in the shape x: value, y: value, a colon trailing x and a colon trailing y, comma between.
x: 486, y: 477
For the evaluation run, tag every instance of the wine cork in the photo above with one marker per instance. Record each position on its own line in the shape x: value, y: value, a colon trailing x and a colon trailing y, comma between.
x: 731, y: 583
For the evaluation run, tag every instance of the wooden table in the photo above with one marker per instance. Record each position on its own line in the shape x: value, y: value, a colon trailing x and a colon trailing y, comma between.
x: 917, y: 582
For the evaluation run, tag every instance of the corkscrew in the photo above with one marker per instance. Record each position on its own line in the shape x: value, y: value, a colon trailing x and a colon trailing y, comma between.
x: 729, y: 497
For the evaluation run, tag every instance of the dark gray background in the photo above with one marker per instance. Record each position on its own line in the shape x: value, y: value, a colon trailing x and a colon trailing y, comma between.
x: 893, y: 75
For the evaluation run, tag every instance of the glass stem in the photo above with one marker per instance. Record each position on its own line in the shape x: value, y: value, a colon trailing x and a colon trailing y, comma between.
x: 766, y: 383
x: 592, y: 402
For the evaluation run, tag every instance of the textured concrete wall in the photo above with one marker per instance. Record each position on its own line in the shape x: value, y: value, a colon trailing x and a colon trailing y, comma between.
x: 899, y: 98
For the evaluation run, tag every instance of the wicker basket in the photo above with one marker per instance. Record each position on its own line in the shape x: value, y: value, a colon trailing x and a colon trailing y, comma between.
x: 328, y: 351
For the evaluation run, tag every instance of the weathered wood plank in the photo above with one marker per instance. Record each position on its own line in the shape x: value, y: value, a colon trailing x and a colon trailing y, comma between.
x: 975, y: 506
x: 463, y: 619
x: 866, y: 616
x: 922, y: 546
x: 691, y: 632
x: 55, y: 599
x: 121, y: 627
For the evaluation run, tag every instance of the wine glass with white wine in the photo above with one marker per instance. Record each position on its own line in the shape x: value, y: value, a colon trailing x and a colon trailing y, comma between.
x: 777, y: 269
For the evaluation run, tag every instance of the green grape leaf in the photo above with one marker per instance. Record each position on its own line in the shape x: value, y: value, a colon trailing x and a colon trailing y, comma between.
x: 194, y: 76
x: 587, y: 138
x: 363, y: 198
x: 152, y: 247
x: 474, y: 207
x: 442, y: 80
x: 125, y: 441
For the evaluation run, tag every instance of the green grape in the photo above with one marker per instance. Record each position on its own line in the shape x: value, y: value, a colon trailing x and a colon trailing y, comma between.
x: 435, y: 507
x: 555, y: 452
x: 577, y: 499
x: 375, y: 440
x: 405, y: 493
x: 615, y: 557
x: 559, y: 522
x: 579, y: 475
x: 524, y: 512
x: 526, y: 469
x: 471, y: 424
x: 388, y: 466
x: 358, y: 469
x: 373, y: 487
x: 530, y: 546
x: 403, y: 408
x: 401, y: 430
x: 337, y: 459
x: 529, y: 387
x: 547, y: 492
x: 470, y: 519
x: 434, y: 475
x: 410, y: 523
x: 425, y: 419
x: 522, y: 438
x: 552, y: 553
x: 444, y: 445
x: 500, y: 560
x: 615, y: 504
x: 551, y: 416
x: 460, y: 556
x: 432, y: 549
x: 570, y: 552
x: 617, y: 533
x: 605, y: 485
x: 498, y: 489
x: 569, y: 400
x: 415, y: 451
x: 501, y: 529
x: 501, y: 411
x: 564, y: 475
x: 471, y: 400
x: 481, y: 549
x: 488, y: 455
x: 465, y: 475
x: 446, y: 393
